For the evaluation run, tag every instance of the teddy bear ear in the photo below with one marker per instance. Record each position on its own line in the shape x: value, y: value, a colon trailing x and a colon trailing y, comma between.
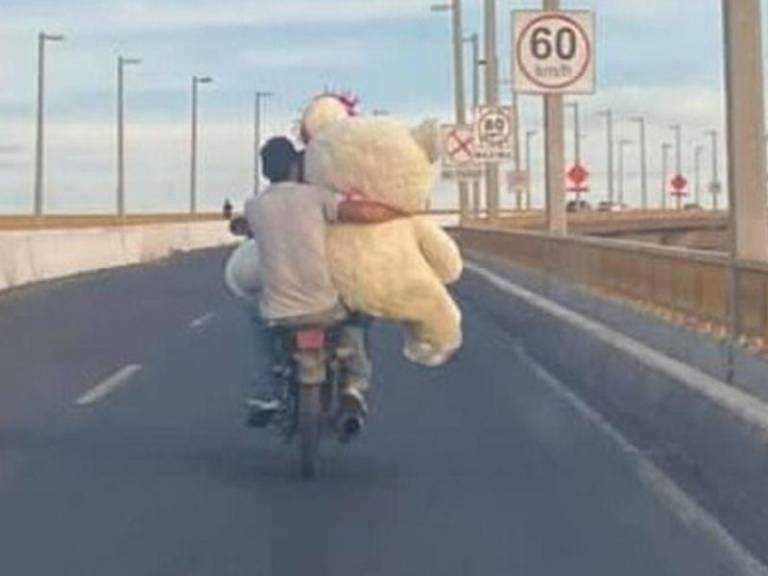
x: 427, y: 135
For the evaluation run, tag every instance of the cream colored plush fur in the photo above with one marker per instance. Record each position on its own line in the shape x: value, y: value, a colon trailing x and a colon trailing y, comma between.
x: 397, y: 270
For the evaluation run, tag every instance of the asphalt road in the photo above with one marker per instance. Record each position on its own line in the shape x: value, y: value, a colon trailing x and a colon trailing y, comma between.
x: 476, y: 468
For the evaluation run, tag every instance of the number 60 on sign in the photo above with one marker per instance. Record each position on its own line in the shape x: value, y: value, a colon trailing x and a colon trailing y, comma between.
x: 553, y: 52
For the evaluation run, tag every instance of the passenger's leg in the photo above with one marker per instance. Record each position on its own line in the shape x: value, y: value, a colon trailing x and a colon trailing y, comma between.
x: 354, y: 336
x: 263, y: 400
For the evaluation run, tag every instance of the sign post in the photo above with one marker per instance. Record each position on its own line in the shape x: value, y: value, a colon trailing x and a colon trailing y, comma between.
x: 679, y: 189
x: 553, y: 55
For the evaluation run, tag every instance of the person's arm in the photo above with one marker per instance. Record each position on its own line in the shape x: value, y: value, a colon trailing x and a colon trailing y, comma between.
x: 367, y: 212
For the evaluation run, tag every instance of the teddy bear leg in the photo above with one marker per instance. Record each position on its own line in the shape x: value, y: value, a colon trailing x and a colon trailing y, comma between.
x: 436, y: 336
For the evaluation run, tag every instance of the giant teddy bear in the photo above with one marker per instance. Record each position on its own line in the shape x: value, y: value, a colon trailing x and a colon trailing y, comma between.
x: 396, y: 270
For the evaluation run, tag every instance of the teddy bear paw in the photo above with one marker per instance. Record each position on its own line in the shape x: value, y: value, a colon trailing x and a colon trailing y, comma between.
x: 425, y: 354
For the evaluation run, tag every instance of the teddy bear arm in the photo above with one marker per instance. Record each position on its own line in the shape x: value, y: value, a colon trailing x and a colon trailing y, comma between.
x: 440, y: 251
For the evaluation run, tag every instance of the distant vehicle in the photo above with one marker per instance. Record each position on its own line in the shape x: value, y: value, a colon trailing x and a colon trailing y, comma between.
x: 578, y: 206
x: 606, y: 206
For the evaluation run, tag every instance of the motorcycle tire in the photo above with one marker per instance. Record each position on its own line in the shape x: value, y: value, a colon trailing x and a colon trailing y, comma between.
x: 310, y: 409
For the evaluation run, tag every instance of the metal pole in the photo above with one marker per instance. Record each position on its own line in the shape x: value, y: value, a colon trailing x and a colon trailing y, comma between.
x: 121, y: 63
x: 665, y: 149
x: 715, y: 184
x: 39, y: 146
x: 42, y: 38
x: 643, y: 163
x: 492, y: 99
x: 698, y: 150
x: 120, y: 140
x: 474, y: 40
x: 622, y: 146
x: 528, y: 165
x: 678, y: 130
x: 516, y: 158
x: 460, y: 99
x: 554, y: 123
x: 576, y: 131
x: 609, y: 154
x: 193, y: 152
x: 257, y: 117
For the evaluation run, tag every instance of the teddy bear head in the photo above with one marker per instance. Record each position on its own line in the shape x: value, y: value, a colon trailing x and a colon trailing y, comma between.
x: 377, y: 158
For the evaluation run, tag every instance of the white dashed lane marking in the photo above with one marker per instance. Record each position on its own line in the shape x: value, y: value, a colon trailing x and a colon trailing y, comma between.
x: 109, y: 385
x: 202, y: 321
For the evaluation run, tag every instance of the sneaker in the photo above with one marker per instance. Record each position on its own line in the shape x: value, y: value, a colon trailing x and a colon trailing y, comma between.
x: 352, y: 414
x: 260, y: 412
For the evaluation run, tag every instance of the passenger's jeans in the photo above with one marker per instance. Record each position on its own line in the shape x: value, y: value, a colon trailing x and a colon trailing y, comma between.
x: 271, y: 351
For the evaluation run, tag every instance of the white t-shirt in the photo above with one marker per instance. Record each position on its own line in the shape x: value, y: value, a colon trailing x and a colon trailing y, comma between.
x: 289, y: 222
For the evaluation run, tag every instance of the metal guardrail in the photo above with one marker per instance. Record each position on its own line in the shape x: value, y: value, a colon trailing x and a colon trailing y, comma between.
x: 72, y: 221
x: 682, y: 285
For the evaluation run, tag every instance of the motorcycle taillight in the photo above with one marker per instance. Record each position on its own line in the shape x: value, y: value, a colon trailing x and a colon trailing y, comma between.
x: 310, y: 339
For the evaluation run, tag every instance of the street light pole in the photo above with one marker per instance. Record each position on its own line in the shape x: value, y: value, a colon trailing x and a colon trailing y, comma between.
x: 121, y: 64
x: 474, y: 40
x: 715, y: 184
x: 576, y: 131
x: 609, y: 145
x: 665, y: 149
x: 697, y: 152
x: 622, y: 146
x: 528, y: 165
x: 643, y: 162
x: 458, y: 78
x: 42, y: 38
x: 257, y: 111
x: 491, y: 99
x: 193, y: 153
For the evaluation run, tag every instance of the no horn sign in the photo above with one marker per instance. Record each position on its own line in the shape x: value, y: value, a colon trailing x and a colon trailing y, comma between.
x: 553, y: 52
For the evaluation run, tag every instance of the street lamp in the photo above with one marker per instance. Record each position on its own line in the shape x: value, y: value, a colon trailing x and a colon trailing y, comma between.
x: 474, y: 41
x: 665, y: 149
x: 257, y: 112
x: 714, y: 185
x: 42, y: 38
x: 193, y: 156
x: 697, y: 152
x: 576, y: 131
x: 643, y: 162
x: 622, y: 146
x: 678, y: 132
x: 121, y: 64
x: 529, y: 135
x: 454, y: 8
x: 609, y: 146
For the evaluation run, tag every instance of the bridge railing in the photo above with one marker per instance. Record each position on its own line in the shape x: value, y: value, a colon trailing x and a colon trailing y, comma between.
x: 69, y: 221
x: 683, y: 285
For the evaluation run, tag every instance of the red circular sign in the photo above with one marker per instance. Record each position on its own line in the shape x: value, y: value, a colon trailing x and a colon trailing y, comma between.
x: 524, y: 36
x: 679, y: 183
x: 578, y: 174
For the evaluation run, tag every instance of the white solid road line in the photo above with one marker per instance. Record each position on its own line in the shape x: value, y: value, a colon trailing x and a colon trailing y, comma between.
x: 739, y: 403
x: 202, y: 321
x: 690, y: 513
x: 106, y: 387
x: 683, y: 506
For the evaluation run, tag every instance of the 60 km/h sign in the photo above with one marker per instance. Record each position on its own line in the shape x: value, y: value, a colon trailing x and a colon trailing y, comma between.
x: 553, y: 52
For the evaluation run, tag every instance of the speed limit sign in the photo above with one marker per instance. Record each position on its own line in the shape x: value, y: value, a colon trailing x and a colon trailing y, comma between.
x: 553, y: 52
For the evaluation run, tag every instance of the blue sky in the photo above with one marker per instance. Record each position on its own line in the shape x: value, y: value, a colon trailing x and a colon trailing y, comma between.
x: 662, y: 58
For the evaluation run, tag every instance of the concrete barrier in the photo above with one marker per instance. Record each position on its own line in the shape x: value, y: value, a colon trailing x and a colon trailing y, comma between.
x: 710, y: 437
x: 38, y: 255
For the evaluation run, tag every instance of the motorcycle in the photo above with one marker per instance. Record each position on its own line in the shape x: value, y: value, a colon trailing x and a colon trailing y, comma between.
x: 311, y: 384
x: 310, y: 374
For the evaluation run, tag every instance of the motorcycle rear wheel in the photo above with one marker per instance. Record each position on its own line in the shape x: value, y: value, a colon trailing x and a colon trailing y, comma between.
x: 310, y: 411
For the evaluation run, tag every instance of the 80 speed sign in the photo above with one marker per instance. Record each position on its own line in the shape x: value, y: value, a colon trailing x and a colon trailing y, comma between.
x: 553, y: 52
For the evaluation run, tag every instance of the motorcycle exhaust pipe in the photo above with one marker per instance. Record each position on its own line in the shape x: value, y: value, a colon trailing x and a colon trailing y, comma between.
x: 349, y: 426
